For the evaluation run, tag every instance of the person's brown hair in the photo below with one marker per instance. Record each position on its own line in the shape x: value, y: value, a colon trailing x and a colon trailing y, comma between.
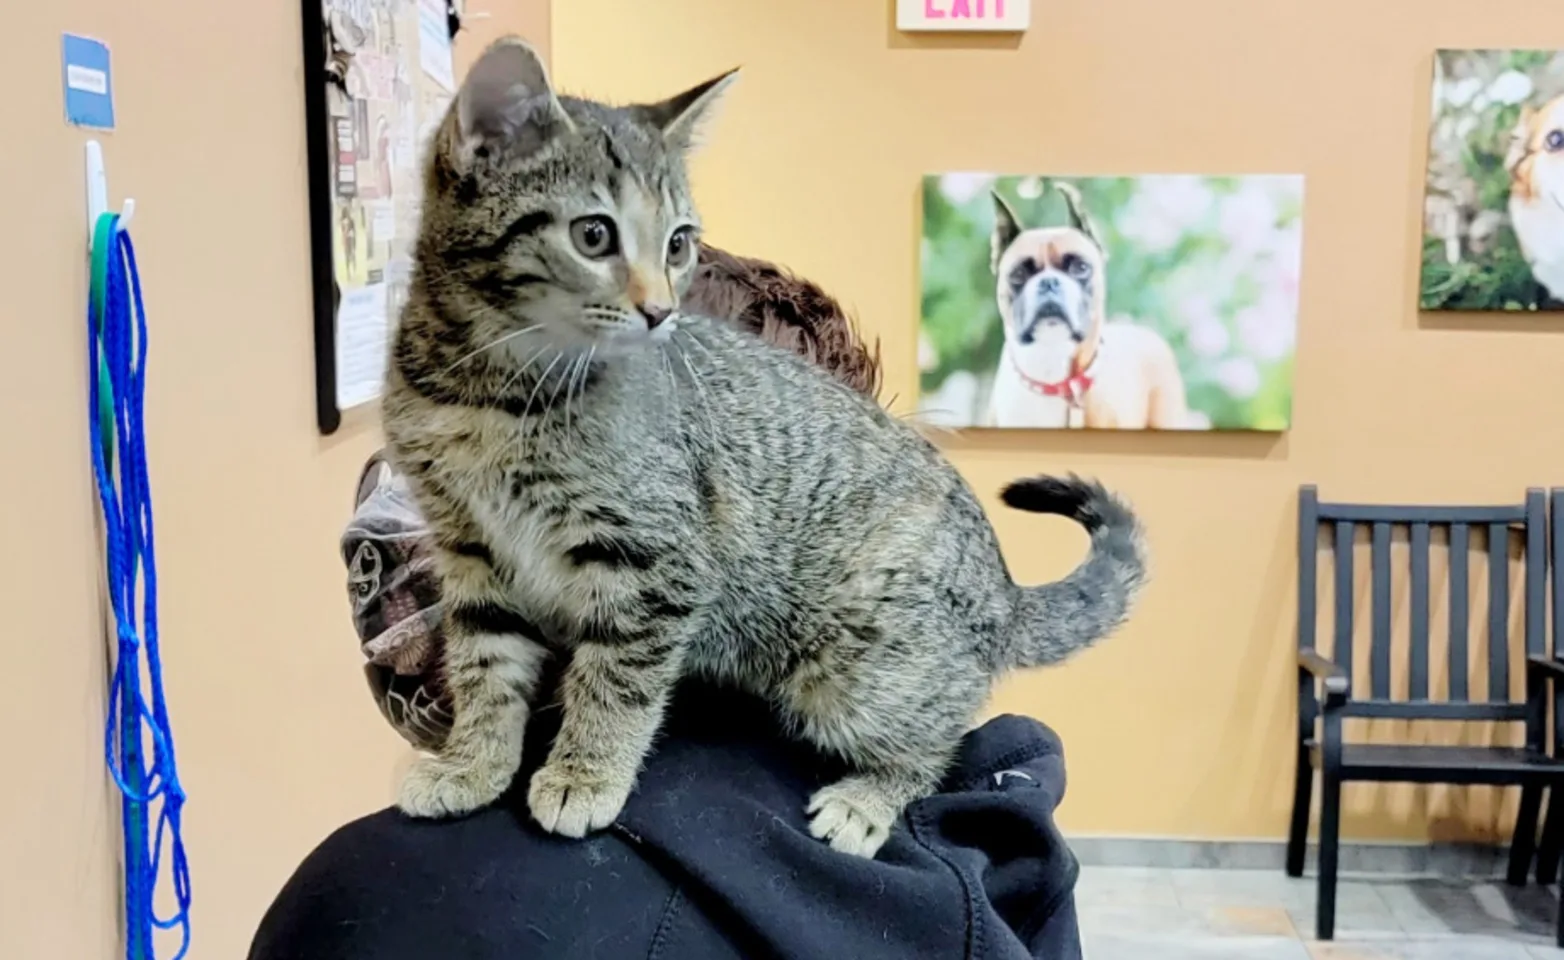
x: 785, y: 310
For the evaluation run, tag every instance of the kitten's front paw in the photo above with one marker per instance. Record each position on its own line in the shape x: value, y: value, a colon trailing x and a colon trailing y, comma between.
x: 854, y: 816
x: 438, y: 787
x: 572, y: 803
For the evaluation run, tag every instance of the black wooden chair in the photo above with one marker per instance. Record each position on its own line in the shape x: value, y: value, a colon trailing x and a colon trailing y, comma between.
x: 1327, y: 694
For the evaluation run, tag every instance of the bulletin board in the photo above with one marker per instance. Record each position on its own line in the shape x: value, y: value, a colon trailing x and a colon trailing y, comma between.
x: 379, y: 76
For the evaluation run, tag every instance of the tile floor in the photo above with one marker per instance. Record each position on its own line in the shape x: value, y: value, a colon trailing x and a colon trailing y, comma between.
x: 1134, y: 913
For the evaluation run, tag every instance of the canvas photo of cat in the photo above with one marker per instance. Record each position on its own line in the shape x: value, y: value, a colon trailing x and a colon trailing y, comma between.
x: 1127, y: 303
x: 1493, y: 205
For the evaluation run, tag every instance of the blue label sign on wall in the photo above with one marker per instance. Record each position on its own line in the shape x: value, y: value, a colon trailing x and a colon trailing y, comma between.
x: 89, y: 86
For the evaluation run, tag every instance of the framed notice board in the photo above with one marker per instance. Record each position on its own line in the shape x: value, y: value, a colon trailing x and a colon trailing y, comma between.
x: 378, y: 78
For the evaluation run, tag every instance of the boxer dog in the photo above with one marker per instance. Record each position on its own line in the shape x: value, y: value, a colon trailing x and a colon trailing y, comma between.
x: 1063, y: 365
x: 1536, y: 165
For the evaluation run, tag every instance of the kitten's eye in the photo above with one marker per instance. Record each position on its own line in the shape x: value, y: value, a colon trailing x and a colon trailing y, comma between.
x: 1078, y: 268
x: 1554, y: 141
x: 681, y: 247
x: 595, y: 236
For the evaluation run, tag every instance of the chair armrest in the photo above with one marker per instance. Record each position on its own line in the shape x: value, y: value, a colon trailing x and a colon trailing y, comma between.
x: 1552, y: 669
x: 1337, y: 686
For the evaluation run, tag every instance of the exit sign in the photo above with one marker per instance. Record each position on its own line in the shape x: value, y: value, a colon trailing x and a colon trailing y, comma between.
x: 995, y: 15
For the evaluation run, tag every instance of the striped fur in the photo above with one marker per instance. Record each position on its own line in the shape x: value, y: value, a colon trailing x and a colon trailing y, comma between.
x: 649, y: 494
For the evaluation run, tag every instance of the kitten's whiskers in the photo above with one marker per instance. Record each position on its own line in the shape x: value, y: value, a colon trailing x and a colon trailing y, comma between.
x: 605, y: 319
x: 570, y: 389
x: 517, y: 375
x: 692, y: 338
x: 542, y: 377
x: 914, y: 419
x: 491, y: 345
x: 564, y: 379
x: 570, y: 385
x: 585, y: 372
x: 711, y: 426
x: 673, y: 382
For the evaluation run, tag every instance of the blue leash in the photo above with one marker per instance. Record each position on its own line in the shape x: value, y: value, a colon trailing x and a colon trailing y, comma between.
x: 138, y: 740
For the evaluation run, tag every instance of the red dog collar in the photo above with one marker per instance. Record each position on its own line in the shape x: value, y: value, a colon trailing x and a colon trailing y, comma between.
x: 1071, y: 388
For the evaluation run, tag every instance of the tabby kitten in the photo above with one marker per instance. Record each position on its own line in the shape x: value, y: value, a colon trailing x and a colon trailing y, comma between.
x: 652, y: 494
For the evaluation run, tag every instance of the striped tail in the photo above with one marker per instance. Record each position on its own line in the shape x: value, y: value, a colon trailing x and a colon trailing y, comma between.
x: 1054, y: 620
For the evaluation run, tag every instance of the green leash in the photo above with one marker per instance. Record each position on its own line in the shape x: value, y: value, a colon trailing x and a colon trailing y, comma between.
x: 102, y: 246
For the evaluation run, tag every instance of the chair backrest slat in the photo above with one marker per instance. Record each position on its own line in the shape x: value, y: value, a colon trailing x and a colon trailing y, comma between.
x: 1557, y: 515
x: 1374, y: 513
x: 1385, y: 694
x: 1536, y: 573
x: 1379, y: 584
x: 1424, y: 710
x: 1342, y: 652
x: 1418, y: 681
x: 1558, y: 569
x: 1460, y: 544
x: 1308, y: 566
x: 1498, y: 612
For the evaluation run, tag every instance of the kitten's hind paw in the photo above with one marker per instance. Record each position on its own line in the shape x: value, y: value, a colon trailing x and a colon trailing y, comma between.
x: 854, y: 815
x: 573, y: 804
x: 439, y: 787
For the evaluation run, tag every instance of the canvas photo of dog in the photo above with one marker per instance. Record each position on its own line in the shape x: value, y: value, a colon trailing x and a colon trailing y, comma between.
x: 1493, y: 206
x: 1109, y: 303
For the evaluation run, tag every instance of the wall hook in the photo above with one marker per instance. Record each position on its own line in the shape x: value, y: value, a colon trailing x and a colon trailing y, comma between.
x: 98, y: 193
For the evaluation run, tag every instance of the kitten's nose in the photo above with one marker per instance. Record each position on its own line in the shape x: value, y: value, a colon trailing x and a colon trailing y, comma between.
x: 655, y: 313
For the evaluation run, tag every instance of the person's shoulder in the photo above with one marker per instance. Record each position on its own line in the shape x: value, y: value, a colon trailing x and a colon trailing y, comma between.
x: 1006, y: 746
x: 996, y: 807
x: 391, y: 887
x: 358, y: 881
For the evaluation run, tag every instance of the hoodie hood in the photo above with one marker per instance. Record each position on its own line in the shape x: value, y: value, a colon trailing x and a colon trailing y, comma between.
x: 710, y: 859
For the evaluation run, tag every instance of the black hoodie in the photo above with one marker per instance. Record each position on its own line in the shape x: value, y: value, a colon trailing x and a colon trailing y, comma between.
x: 710, y: 859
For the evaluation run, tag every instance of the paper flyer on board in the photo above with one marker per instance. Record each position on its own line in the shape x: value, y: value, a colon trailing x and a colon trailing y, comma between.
x: 434, y: 43
x: 390, y: 99
x: 362, y: 332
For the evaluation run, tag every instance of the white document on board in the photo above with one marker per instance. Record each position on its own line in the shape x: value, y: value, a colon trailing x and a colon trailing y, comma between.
x: 434, y: 43
x: 362, y: 339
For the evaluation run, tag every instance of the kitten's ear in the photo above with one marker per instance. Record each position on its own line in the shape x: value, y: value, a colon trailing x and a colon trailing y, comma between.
x: 507, y: 103
x: 680, y: 117
x: 1006, y: 228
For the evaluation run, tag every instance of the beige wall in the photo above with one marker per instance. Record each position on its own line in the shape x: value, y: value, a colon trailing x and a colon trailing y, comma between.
x: 277, y: 741
x: 1179, y: 726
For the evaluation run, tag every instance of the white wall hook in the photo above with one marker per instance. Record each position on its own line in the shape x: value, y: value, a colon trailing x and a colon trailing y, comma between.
x: 98, y: 193
x: 97, y: 189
